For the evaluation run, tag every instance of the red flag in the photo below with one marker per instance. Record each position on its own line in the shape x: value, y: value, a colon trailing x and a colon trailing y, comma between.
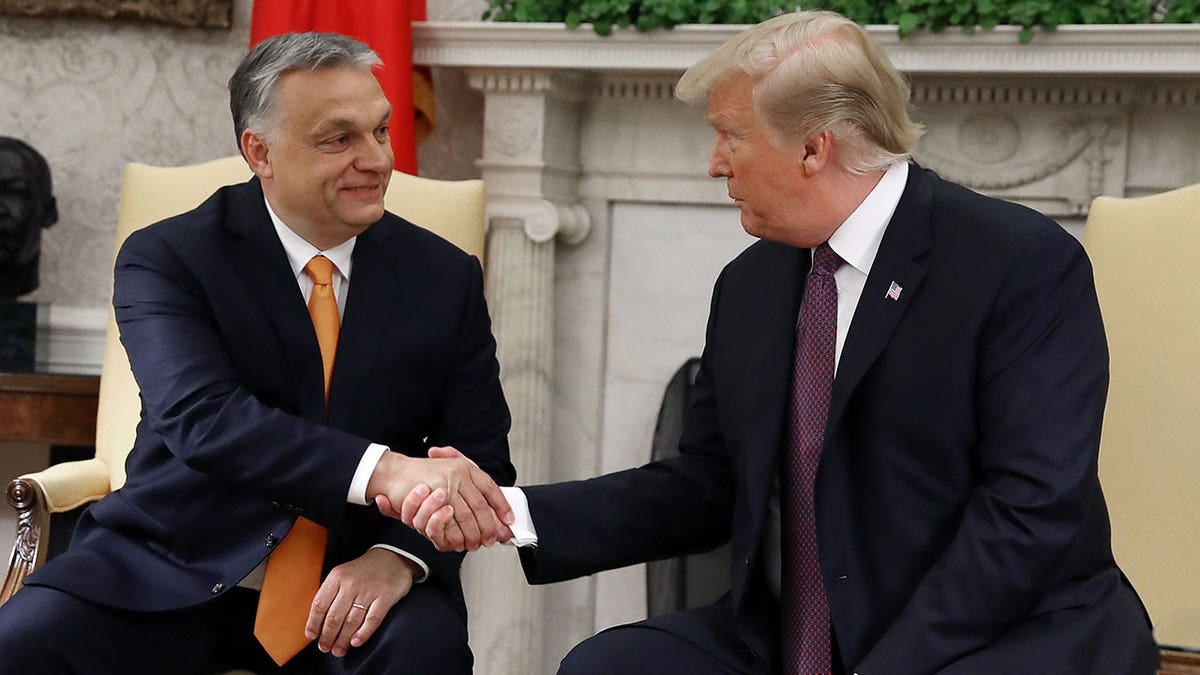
x: 385, y: 26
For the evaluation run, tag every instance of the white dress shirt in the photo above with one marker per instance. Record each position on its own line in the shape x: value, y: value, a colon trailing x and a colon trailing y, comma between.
x: 299, y: 252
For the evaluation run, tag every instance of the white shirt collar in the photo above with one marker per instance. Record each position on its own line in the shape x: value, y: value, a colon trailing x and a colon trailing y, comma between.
x: 299, y: 251
x: 857, y: 239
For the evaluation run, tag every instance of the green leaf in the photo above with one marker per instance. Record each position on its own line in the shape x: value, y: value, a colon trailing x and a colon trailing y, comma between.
x: 907, y: 23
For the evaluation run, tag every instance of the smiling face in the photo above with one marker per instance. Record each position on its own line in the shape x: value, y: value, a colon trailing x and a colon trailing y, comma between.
x: 326, y: 162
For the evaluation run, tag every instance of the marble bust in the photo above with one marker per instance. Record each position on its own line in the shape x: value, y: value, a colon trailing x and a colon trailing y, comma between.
x: 27, y: 205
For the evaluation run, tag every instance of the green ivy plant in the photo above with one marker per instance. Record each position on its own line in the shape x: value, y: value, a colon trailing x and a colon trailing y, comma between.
x: 907, y: 15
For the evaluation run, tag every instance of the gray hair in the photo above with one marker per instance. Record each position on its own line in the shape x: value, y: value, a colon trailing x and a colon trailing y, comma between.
x: 816, y: 71
x: 252, y: 86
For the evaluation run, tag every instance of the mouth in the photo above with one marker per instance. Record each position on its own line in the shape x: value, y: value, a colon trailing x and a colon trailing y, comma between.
x: 363, y: 190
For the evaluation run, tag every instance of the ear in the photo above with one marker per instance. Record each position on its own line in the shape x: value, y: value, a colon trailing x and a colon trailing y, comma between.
x: 817, y: 153
x: 51, y: 208
x: 257, y: 153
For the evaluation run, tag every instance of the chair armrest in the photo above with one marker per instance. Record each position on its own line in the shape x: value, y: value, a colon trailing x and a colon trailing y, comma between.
x: 35, y: 496
x: 1181, y: 663
x: 71, y: 484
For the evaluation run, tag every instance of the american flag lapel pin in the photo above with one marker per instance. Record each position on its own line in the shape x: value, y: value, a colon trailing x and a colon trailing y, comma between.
x: 893, y: 292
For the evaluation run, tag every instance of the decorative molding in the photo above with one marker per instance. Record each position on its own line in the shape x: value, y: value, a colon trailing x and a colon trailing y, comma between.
x: 513, y: 128
x: 1171, y: 93
x: 564, y: 85
x: 542, y: 219
x: 71, y: 339
x: 1160, y: 92
x: 1150, y: 49
x: 987, y: 141
x: 633, y: 87
x: 1023, y: 93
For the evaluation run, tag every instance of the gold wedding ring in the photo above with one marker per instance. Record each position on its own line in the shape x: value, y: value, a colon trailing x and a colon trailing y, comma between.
x: 362, y: 607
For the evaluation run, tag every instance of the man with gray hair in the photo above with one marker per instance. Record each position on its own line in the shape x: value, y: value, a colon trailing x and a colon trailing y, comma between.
x: 245, y: 535
x: 896, y: 418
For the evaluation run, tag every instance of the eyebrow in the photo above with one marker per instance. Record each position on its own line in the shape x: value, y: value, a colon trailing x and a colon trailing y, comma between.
x: 718, y: 121
x: 344, y: 124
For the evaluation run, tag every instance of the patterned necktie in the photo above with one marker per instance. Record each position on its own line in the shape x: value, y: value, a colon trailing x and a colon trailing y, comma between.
x: 806, y: 625
x: 293, y: 572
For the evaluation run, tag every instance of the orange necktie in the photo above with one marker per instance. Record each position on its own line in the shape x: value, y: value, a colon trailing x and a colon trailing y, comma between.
x: 293, y: 572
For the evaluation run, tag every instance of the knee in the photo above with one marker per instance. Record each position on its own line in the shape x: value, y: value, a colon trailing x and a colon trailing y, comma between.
x: 424, y: 636
x: 598, y: 655
x: 412, y: 655
x: 23, y: 637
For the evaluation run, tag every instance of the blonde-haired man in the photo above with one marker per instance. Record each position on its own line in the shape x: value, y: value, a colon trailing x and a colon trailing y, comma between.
x: 897, y: 415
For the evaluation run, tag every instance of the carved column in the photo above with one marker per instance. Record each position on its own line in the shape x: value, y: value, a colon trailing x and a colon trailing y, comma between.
x: 530, y: 164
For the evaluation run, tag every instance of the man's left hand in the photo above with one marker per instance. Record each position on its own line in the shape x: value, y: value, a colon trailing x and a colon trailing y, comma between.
x: 355, y: 597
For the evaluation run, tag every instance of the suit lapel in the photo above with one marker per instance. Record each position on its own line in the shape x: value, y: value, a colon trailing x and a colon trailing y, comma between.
x: 260, y: 260
x: 877, y: 314
x: 369, y: 306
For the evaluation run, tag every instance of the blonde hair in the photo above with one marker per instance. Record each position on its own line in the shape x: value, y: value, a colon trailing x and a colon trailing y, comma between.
x: 816, y: 71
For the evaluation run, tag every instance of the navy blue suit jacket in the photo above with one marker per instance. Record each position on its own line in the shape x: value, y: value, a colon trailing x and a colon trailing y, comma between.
x: 235, y: 440
x: 960, y: 521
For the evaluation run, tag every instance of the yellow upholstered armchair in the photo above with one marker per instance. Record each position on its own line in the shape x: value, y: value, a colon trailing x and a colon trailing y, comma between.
x: 1145, y: 252
x: 453, y: 209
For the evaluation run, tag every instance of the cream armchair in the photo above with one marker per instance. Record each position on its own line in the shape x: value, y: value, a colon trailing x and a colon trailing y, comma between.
x: 1145, y: 252
x: 453, y: 209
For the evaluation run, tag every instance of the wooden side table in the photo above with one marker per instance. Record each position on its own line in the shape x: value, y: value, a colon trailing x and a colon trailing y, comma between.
x: 59, y: 410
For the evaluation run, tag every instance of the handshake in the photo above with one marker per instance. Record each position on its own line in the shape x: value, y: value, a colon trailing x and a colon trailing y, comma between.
x: 447, y: 498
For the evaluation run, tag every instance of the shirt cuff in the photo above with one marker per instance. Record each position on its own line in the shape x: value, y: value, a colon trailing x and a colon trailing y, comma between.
x: 522, y: 528
x: 406, y: 554
x: 362, y: 475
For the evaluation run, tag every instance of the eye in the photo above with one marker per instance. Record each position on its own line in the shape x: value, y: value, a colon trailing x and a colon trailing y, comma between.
x: 336, y: 142
x: 382, y: 132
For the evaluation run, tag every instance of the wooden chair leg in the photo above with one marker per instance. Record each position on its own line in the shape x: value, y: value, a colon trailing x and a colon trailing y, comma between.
x: 29, y: 547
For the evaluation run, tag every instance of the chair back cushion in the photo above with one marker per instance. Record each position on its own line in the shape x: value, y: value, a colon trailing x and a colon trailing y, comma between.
x: 1145, y: 251
x: 453, y: 209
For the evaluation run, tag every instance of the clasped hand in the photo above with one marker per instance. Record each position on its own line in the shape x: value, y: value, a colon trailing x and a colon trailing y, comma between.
x: 446, y: 497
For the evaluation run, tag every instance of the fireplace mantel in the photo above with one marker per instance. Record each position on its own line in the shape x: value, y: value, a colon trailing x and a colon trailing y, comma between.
x: 1099, y: 50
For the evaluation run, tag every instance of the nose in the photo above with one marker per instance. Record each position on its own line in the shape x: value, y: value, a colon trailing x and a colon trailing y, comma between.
x: 717, y: 166
x: 377, y: 157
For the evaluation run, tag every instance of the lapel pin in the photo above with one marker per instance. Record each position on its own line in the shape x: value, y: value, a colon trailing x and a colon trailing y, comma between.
x: 893, y: 292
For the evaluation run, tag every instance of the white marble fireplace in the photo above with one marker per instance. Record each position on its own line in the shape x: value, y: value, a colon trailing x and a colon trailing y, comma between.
x: 606, y: 235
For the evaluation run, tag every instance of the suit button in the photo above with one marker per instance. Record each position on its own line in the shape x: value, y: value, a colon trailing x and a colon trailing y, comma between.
x: 218, y: 587
x: 843, y: 577
x: 746, y: 562
x: 271, y: 540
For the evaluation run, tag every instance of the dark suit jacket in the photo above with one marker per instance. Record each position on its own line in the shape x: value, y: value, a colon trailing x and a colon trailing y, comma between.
x: 235, y: 441
x: 957, y: 499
